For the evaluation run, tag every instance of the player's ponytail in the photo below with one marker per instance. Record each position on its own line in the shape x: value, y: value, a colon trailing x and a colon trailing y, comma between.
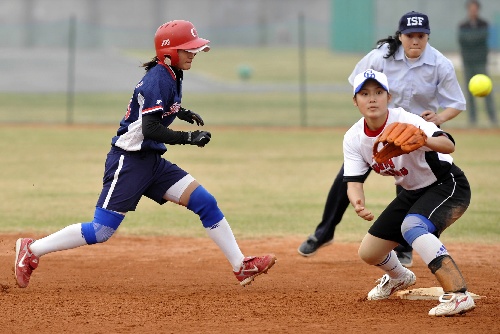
x: 393, y: 44
x: 150, y: 64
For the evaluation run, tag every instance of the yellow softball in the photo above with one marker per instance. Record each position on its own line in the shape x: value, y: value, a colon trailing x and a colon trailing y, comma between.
x: 480, y: 85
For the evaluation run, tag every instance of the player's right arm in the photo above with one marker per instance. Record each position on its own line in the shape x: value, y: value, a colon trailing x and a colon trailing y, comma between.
x: 355, y: 169
x: 356, y: 196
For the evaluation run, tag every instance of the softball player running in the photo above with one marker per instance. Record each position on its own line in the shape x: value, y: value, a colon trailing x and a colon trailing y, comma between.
x: 422, y: 81
x: 435, y: 194
x: 135, y: 168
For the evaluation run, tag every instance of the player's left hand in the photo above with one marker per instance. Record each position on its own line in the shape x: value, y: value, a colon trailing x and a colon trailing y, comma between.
x: 190, y: 117
x: 199, y: 138
x: 398, y: 139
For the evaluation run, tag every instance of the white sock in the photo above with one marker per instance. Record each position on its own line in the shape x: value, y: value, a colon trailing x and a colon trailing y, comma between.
x: 67, y: 238
x: 392, y: 266
x: 429, y: 247
x: 223, y: 236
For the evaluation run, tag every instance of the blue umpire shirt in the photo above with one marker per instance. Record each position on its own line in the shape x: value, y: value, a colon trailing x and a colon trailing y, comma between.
x: 429, y: 83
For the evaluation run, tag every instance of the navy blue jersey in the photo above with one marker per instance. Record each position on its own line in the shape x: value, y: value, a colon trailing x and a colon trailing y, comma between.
x: 159, y: 91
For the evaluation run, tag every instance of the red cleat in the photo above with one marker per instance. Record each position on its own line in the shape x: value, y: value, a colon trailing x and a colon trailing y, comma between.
x: 253, y: 266
x: 25, y: 262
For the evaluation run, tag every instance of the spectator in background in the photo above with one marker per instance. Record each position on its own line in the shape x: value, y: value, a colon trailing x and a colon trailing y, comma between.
x: 473, y: 39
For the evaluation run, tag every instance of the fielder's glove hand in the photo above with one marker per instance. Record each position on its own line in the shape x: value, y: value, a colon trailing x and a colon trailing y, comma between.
x: 189, y: 116
x: 199, y: 138
x: 397, y: 139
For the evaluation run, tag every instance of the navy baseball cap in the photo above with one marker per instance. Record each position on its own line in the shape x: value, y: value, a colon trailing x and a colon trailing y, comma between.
x: 414, y: 22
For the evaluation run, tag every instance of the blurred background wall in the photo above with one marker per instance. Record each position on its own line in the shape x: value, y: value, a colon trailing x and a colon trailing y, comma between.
x: 97, y: 46
x: 337, y: 24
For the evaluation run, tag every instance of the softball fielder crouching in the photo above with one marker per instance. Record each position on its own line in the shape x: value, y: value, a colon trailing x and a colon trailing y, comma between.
x: 435, y: 194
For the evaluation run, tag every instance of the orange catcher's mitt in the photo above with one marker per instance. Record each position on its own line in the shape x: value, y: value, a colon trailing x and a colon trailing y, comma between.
x: 397, y: 139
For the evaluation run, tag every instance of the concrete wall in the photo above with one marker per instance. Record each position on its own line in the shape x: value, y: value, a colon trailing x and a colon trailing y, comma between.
x: 126, y: 23
x: 131, y: 24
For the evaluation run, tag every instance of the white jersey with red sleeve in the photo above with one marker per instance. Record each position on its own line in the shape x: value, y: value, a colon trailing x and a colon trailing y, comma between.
x: 412, y: 171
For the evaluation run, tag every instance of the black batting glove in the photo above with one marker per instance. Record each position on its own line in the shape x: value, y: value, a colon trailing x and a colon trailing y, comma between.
x: 199, y: 138
x: 189, y: 116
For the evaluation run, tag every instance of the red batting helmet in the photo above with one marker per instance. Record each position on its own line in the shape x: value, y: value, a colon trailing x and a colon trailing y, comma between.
x: 178, y: 35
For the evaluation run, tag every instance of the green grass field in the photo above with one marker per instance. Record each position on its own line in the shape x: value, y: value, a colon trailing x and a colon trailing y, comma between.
x: 248, y: 108
x: 268, y: 181
x: 270, y: 175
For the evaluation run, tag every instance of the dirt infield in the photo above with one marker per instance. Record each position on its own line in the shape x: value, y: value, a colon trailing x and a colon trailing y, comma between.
x: 179, y: 285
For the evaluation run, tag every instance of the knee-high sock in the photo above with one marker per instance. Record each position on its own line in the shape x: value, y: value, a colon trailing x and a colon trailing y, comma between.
x: 429, y: 247
x: 223, y: 236
x: 67, y: 238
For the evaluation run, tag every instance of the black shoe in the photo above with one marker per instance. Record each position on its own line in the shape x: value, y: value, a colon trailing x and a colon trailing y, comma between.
x: 406, y: 258
x: 311, y: 246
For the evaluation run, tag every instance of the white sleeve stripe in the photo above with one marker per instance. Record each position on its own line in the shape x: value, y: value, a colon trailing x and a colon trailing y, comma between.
x: 150, y: 110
